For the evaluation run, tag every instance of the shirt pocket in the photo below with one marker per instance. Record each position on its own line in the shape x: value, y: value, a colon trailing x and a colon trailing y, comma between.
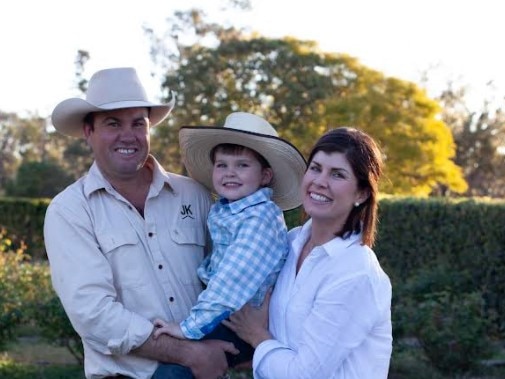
x: 126, y: 257
x: 189, y: 249
x: 188, y: 235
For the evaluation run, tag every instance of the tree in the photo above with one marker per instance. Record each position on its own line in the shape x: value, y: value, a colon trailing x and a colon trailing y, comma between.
x: 480, y: 139
x: 418, y: 147
x: 39, y: 179
x: 20, y: 139
x: 303, y: 92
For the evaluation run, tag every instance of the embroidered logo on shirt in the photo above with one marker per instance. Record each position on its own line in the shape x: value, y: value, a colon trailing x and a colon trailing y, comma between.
x: 186, y: 211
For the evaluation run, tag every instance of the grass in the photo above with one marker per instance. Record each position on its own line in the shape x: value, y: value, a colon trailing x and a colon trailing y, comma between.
x: 29, y: 357
x: 32, y: 358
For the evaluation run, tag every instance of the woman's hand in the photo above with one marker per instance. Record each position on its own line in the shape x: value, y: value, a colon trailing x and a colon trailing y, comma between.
x: 251, y: 323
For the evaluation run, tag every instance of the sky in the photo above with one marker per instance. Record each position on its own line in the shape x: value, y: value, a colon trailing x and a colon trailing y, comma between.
x: 455, y: 40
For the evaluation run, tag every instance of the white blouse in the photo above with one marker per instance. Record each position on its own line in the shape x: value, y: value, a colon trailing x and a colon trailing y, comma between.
x: 333, y: 319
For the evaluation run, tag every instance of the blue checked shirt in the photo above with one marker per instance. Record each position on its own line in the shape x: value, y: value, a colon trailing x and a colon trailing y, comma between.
x: 250, y: 246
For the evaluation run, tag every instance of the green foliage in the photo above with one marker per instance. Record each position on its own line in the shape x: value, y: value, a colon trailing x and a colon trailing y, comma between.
x: 452, y: 330
x: 20, y: 138
x: 418, y: 147
x: 479, y: 137
x: 39, y: 179
x: 465, y: 235
x: 446, y: 260
x: 303, y: 92
x: 12, y: 370
x: 27, y: 297
x: 54, y: 326
x: 442, y: 309
x: 24, y: 218
x: 20, y: 283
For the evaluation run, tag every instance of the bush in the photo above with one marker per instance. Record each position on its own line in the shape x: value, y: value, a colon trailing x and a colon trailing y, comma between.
x: 438, y: 308
x: 27, y: 297
x: 55, y: 326
x: 11, y: 295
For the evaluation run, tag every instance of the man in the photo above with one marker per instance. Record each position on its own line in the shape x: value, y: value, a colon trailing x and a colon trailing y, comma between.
x: 124, y: 241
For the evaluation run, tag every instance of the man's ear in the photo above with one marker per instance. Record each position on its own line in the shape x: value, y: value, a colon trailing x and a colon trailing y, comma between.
x: 87, y: 129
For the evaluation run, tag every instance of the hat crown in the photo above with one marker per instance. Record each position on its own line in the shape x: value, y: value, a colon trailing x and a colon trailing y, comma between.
x: 115, y: 85
x: 249, y: 122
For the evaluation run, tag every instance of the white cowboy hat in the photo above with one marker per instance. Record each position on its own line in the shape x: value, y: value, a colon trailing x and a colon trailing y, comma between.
x: 253, y: 132
x: 108, y: 89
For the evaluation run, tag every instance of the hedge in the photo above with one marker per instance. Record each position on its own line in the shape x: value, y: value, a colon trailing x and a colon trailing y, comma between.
x: 415, y: 235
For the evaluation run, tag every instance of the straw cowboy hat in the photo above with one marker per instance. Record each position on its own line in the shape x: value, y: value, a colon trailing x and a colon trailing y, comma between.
x: 108, y: 89
x: 253, y: 132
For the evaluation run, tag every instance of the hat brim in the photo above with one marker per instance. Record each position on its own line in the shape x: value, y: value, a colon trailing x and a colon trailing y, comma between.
x: 288, y: 164
x: 68, y: 116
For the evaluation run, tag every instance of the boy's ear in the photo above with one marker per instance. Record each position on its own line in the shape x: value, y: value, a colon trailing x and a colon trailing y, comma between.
x: 267, y: 175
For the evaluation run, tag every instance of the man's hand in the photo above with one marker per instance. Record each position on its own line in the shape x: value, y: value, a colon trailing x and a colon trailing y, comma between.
x: 208, y: 361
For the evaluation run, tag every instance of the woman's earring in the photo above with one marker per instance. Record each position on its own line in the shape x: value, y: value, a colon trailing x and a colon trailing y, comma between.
x: 356, y: 204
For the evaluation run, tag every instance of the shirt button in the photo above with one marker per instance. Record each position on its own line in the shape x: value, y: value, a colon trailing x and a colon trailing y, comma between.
x: 171, y: 299
x: 160, y: 266
x: 150, y: 234
x: 130, y: 207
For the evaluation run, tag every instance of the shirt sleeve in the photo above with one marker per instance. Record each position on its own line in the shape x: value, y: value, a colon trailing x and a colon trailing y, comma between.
x: 83, y: 280
x: 339, y: 320
x: 258, y: 249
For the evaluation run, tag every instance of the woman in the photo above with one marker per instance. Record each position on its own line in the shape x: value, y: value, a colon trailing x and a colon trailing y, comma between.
x: 329, y: 315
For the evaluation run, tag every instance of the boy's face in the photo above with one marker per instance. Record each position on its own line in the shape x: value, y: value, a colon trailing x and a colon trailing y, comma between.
x: 235, y: 176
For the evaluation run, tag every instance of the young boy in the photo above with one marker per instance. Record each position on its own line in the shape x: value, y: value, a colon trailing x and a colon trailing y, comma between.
x: 256, y: 176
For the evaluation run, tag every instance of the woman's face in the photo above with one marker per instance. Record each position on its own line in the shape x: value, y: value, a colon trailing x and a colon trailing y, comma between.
x: 330, y: 189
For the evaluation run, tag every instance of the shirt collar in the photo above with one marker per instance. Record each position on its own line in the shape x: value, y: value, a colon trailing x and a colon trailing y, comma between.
x: 333, y: 247
x: 95, y: 180
x: 260, y: 196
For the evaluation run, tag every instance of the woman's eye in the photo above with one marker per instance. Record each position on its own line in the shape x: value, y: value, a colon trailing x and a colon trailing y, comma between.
x: 338, y: 174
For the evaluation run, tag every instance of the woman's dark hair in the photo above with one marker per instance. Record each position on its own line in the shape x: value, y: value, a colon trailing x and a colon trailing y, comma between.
x: 365, y: 158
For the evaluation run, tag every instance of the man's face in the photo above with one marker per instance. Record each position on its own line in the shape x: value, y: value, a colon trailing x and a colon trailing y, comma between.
x: 120, y: 141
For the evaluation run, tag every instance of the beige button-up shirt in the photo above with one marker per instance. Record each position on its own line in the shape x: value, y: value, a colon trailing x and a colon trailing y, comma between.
x: 116, y: 271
